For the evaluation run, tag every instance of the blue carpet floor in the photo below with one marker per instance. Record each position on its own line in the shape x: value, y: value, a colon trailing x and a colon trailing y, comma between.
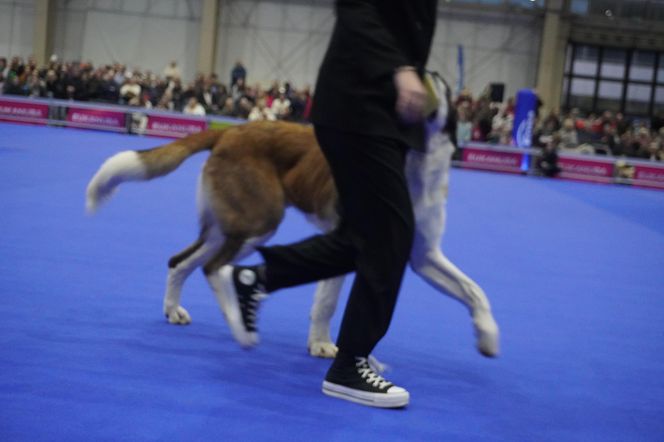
x: 575, y: 273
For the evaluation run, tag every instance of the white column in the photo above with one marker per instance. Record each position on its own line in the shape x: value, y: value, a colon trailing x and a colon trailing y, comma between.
x: 207, y: 49
x: 42, y: 42
x: 551, y: 65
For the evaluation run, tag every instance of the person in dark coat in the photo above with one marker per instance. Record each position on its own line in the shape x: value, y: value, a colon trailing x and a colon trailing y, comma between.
x: 367, y: 112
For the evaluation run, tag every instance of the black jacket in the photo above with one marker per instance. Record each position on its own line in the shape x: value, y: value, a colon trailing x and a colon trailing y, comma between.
x: 355, y: 90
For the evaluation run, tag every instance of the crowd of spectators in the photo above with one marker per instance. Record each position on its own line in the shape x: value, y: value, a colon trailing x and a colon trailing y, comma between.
x: 118, y: 84
x: 608, y: 133
x: 479, y: 119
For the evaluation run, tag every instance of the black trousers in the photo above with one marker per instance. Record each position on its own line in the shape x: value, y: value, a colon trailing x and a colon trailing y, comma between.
x: 374, y: 238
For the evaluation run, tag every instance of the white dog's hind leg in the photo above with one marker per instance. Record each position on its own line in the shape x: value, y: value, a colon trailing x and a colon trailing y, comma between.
x: 325, y: 303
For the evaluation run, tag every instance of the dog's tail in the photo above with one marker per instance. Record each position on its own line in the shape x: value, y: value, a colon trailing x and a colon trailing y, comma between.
x: 143, y: 165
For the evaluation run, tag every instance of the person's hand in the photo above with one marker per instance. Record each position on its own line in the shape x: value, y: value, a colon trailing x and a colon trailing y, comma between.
x: 411, y: 95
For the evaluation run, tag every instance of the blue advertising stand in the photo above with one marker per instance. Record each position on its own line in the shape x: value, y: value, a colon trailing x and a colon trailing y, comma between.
x: 524, y: 122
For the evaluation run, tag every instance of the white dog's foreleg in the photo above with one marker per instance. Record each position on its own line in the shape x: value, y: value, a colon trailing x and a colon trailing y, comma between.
x: 444, y: 276
x: 428, y: 176
x: 325, y: 303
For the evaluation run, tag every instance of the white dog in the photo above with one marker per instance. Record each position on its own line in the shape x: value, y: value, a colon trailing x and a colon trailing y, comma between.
x: 255, y: 171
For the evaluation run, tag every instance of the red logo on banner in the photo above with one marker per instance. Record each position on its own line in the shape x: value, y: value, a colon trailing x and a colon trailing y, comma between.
x: 489, y: 159
x: 649, y: 176
x: 585, y: 169
x: 96, y: 118
x: 173, y: 126
x: 23, y: 112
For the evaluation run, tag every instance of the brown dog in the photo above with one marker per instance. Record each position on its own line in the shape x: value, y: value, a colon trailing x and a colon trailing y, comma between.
x: 253, y: 173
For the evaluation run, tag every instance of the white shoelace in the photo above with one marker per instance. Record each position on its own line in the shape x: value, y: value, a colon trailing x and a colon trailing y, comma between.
x: 369, y: 375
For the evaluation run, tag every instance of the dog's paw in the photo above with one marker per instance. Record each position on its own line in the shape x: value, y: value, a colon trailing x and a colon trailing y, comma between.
x: 321, y: 349
x: 178, y: 315
x: 487, y: 334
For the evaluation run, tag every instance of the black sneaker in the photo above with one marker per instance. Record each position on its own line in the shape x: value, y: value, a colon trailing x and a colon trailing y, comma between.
x: 241, y: 293
x: 361, y: 384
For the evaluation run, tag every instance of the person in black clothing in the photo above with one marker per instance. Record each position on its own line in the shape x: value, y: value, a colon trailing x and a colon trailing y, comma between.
x: 367, y: 113
x: 238, y: 72
x: 548, y: 162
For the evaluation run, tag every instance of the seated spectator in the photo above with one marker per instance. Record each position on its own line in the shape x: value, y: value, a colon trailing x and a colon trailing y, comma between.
x: 109, y: 90
x: 228, y: 109
x: 243, y: 107
x: 483, y: 119
x: 193, y: 107
x: 281, y: 106
x: 272, y: 93
x: 301, y: 105
x: 654, y: 151
x: 238, y: 90
x: 464, y: 126
x: 501, y: 128
x: 642, y: 143
x: 611, y: 139
x: 120, y: 74
x: 166, y: 102
x: 261, y: 112
x: 188, y: 92
x: 464, y: 98
x: 55, y: 87
x: 569, y: 138
x: 308, y: 103
x: 130, y: 92
x: 13, y: 85
x: 212, y: 94
x: 656, y: 122
x: 622, y: 124
x: 16, y: 69
x: 172, y: 71
x: 3, y: 73
x: 36, y: 87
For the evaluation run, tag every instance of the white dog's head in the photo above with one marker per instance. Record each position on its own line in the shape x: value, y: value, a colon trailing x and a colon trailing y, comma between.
x: 444, y: 119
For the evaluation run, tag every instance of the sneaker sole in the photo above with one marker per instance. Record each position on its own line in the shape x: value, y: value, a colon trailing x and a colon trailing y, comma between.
x: 381, y: 400
x: 231, y: 308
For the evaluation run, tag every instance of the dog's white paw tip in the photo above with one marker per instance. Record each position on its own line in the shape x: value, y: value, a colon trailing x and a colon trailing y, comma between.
x: 178, y: 316
x: 323, y: 349
x: 489, y: 347
x: 487, y: 333
x: 249, y: 341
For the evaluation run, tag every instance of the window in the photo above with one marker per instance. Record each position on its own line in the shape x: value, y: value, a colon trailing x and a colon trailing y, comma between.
x: 527, y: 3
x: 643, y: 66
x: 638, y: 98
x: 621, y: 80
x: 585, y: 60
x: 579, y: 7
x: 583, y: 87
x: 660, y: 70
x: 609, y: 95
x: 613, y: 63
x: 581, y: 93
x: 659, y: 95
x: 659, y: 100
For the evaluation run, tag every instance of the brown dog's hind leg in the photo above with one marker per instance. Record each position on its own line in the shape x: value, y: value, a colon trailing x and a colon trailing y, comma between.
x: 233, y: 248
x: 180, y: 267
